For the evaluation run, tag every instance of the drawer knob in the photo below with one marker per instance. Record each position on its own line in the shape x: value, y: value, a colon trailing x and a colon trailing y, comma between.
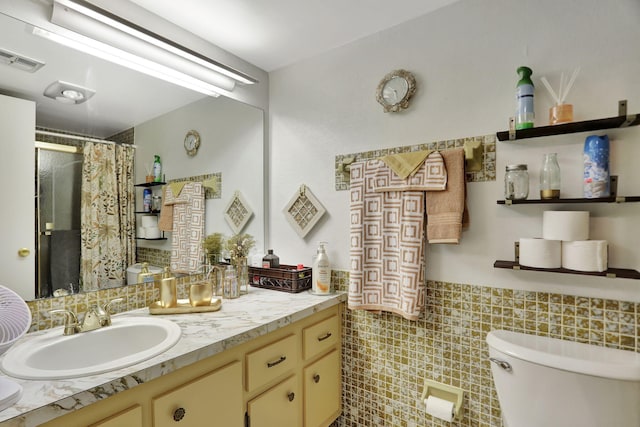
x: 291, y: 396
x: 316, y: 378
x: 179, y: 414
x: 325, y: 336
x: 272, y: 364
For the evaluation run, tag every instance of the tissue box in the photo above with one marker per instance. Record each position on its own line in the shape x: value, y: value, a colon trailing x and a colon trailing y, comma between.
x: 286, y: 278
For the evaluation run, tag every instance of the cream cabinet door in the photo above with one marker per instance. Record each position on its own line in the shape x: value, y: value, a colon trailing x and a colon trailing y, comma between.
x: 211, y: 400
x: 280, y: 406
x: 322, y: 391
x: 18, y: 124
x: 131, y: 417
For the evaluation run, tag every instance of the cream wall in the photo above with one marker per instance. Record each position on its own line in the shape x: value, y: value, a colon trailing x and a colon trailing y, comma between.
x: 464, y: 57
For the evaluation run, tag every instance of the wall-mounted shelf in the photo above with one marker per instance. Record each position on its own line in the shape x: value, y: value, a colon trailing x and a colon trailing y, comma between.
x: 150, y: 184
x: 147, y: 212
x: 144, y: 238
x: 613, y: 273
x: 612, y: 199
x: 622, y: 120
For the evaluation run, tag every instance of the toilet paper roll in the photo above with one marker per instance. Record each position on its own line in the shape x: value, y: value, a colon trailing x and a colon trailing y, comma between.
x: 149, y: 221
x: 439, y: 408
x: 565, y: 225
x: 141, y: 232
x: 587, y: 255
x: 152, y: 232
x: 540, y: 253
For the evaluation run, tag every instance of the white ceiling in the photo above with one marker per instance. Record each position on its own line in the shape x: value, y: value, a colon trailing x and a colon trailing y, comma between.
x: 275, y: 33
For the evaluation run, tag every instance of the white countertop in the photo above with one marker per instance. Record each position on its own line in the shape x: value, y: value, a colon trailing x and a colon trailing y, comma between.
x: 203, y: 335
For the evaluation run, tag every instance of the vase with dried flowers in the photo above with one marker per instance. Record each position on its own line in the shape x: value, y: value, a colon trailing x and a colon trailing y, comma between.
x: 239, y: 247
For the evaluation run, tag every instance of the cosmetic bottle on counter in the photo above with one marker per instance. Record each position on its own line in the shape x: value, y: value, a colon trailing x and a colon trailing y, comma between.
x: 168, y: 291
x: 321, y: 272
x: 270, y: 260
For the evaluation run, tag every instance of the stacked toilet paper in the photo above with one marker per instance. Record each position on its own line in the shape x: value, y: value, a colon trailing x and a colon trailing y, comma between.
x: 564, y: 243
x: 149, y: 228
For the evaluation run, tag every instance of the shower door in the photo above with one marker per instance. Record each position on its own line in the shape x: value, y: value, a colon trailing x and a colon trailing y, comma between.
x: 58, y: 184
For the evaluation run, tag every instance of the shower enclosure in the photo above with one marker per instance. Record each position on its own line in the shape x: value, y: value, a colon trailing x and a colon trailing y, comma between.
x: 58, y: 189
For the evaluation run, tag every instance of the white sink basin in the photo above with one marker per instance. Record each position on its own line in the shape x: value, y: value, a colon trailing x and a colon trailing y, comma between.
x: 129, y: 340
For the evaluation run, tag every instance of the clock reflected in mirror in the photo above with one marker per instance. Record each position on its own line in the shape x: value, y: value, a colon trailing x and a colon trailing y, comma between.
x: 395, y: 90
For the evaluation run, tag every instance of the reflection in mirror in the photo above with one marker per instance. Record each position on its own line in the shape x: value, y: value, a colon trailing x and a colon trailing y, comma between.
x: 132, y: 108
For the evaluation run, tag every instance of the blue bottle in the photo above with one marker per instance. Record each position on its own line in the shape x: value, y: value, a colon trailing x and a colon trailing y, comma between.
x: 146, y: 200
x: 596, y: 167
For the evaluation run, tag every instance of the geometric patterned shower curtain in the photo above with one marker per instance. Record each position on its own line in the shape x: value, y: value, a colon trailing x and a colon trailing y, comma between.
x: 107, y: 215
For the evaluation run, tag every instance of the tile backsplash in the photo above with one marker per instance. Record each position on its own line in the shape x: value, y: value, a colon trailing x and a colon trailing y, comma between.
x: 387, y: 358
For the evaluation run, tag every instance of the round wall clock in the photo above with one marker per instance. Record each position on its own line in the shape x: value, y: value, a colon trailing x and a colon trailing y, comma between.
x: 395, y: 90
x: 192, y: 143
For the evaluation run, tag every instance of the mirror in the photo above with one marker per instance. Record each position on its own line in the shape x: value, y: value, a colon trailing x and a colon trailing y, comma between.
x: 161, y: 115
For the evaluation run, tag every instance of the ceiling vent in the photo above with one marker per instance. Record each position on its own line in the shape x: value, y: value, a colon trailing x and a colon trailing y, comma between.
x: 20, y: 62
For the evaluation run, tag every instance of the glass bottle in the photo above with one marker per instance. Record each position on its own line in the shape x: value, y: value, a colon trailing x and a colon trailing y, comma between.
x: 550, y: 177
x: 230, y: 288
x: 270, y: 260
x: 516, y: 182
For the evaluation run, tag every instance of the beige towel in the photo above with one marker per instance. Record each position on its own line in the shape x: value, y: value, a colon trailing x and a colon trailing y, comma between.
x: 446, y: 209
x: 406, y: 164
x: 430, y: 176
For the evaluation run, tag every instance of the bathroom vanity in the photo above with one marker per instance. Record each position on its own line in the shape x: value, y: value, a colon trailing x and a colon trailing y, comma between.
x: 267, y: 358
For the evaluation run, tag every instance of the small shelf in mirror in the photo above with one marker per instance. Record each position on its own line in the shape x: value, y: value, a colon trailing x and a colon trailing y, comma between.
x: 144, y: 238
x: 150, y: 184
x: 613, y: 273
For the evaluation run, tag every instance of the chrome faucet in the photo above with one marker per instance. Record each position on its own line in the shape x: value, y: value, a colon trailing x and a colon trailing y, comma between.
x: 95, y: 318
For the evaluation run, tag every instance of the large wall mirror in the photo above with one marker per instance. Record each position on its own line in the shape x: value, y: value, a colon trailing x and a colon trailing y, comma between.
x: 158, y: 114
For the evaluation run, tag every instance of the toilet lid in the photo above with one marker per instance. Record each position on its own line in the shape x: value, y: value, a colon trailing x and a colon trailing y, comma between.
x: 10, y: 393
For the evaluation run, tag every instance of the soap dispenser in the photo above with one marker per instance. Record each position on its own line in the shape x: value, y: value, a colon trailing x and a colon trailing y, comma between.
x: 321, y: 272
x: 168, y: 290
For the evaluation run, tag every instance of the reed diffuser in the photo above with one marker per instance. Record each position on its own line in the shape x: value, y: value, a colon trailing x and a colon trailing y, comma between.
x: 561, y: 112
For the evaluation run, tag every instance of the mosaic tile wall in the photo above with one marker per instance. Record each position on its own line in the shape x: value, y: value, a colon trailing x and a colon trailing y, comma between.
x: 157, y: 257
x: 488, y: 172
x: 387, y: 358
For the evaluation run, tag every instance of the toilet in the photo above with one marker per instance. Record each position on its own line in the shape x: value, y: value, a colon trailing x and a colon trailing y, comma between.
x: 548, y: 382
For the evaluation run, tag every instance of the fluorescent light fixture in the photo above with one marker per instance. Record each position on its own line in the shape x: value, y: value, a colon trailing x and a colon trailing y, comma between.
x: 126, y: 43
x: 117, y: 56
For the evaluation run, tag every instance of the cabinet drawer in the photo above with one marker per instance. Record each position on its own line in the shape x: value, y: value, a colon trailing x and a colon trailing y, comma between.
x: 131, y: 417
x: 215, y: 398
x: 320, y: 337
x: 322, y: 391
x: 270, y: 362
x: 279, y: 406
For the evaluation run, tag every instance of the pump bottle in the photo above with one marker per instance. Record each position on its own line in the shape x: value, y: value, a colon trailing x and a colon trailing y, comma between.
x: 321, y: 272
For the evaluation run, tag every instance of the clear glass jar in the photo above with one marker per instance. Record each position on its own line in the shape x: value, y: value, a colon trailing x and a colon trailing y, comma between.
x: 550, y: 177
x: 516, y: 182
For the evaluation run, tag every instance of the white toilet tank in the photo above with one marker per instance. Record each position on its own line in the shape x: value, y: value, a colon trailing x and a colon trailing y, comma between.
x: 547, y: 382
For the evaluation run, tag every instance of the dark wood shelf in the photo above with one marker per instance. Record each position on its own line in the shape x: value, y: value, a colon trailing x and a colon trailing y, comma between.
x: 148, y: 213
x: 144, y: 238
x: 574, y: 127
x: 612, y: 199
x: 150, y: 184
x: 613, y: 273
